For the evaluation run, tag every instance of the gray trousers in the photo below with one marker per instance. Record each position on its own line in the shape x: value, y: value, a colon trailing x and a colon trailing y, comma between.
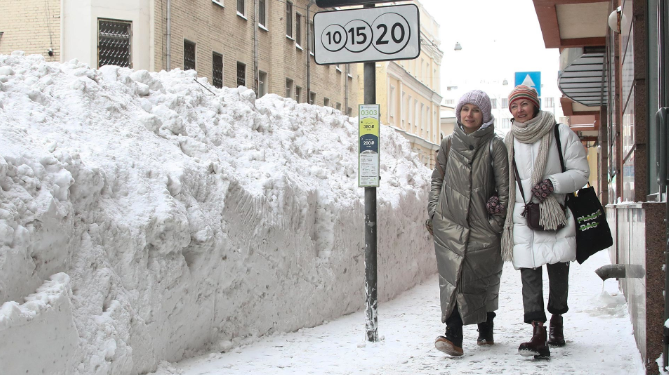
x: 533, y: 296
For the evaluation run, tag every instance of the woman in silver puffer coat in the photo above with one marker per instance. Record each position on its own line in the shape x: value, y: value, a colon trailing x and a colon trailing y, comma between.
x: 467, y: 207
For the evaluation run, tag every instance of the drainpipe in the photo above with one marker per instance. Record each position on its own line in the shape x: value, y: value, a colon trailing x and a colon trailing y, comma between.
x: 256, y: 10
x: 346, y: 70
x: 168, y: 36
x: 309, y: 21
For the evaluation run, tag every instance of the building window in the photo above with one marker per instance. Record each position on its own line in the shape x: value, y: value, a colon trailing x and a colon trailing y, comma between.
x: 349, y: 111
x: 114, y: 42
x: 262, y: 84
x: 311, y: 40
x: 549, y: 103
x: 241, y: 74
x: 298, y: 29
x: 189, y: 55
x: 289, y: 88
x: 338, y: 106
x: 493, y: 103
x: 312, y: 97
x: 449, y: 101
x: 289, y: 19
x: 505, y: 102
x: 298, y: 94
x: 217, y: 70
x: 391, y: 104
x: 240, y: 7
x: 262, y: 13
x: 326, y: 102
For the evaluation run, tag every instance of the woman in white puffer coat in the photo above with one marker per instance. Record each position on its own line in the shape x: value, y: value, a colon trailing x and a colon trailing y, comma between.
x: 532, y: 146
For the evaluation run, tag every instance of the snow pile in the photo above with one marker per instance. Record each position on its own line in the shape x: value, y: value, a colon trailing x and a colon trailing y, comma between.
x: 149, y: 216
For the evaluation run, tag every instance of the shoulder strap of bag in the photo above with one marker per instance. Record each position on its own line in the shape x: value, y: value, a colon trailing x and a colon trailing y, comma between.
x: 448, y: 151
x: 518, y: 181
x: 559, y: 146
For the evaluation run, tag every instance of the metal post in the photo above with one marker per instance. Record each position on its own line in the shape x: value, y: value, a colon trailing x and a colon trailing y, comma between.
x: 370, y: 222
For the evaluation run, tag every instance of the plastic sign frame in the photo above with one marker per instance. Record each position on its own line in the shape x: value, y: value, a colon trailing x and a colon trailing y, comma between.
x: 367, y: 35
x: 369, y: 155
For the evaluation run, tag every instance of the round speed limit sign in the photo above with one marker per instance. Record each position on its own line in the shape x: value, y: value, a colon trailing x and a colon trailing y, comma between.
x: 369, y: 34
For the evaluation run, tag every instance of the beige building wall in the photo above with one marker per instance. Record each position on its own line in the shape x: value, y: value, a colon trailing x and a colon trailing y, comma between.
x: 215, y: 26
x: 31, y: 26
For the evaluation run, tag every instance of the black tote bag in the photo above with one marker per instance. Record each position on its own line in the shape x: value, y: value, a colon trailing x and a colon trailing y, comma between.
x: 592, y: 230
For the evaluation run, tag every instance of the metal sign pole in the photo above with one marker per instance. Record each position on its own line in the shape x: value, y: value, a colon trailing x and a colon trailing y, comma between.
x: 370, y: 222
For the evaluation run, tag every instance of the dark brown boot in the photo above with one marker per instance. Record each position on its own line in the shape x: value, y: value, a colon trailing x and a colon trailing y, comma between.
x: 555, y: 333
x: 486, y: 331
x: 537, y: 345
x: 450, y: 344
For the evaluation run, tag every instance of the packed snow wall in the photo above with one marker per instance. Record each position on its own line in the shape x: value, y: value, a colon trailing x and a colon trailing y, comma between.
x: 150, y: 216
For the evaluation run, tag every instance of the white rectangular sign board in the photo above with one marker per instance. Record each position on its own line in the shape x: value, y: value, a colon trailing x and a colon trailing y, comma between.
x: 368, y: 34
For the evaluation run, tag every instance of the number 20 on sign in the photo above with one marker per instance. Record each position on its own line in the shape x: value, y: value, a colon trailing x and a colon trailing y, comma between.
x: 370, y: 34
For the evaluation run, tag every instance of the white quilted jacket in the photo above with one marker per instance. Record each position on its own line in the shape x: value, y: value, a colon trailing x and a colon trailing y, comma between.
x: 534, y: 248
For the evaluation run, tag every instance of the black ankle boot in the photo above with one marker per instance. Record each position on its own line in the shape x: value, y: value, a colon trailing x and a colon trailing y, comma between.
x: 556, y: 332
x: 486, y: 330
x: 537, y: 344
x: 451, y: 343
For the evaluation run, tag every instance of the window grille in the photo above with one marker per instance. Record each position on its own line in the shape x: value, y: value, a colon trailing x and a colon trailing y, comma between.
x: 189, y: 55
x: 241, y: 74
x: 114, y: 43
x: 217, y: 73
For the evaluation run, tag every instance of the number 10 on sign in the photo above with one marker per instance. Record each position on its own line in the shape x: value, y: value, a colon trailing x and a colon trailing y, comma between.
x: 368, y: 157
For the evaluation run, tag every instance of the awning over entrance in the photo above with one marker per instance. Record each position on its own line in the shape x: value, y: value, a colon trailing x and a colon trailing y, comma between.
x: 582, y: 77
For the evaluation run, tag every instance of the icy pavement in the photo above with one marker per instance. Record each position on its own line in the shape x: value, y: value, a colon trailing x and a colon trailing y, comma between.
x: 597, y: 329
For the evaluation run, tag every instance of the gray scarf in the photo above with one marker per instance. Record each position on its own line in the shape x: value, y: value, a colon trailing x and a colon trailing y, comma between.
x: 551, y: 215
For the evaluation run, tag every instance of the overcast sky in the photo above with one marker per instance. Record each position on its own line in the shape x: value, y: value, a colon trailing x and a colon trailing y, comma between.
x: 498, y: 38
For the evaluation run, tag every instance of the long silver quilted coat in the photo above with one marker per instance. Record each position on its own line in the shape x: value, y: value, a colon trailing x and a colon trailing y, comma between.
x: 466, y: 237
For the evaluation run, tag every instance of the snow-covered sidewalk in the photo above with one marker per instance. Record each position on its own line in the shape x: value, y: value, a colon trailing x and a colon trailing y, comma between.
x: 597, y: 329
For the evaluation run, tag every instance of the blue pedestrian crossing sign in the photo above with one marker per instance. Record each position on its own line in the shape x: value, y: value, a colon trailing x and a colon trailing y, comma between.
x: 531, y: 79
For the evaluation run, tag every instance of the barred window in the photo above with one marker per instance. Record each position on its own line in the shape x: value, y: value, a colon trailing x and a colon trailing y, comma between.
x: 114, y: 43
x: 189, y: 55
x: 241, y: 74
x: 217, y: 73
